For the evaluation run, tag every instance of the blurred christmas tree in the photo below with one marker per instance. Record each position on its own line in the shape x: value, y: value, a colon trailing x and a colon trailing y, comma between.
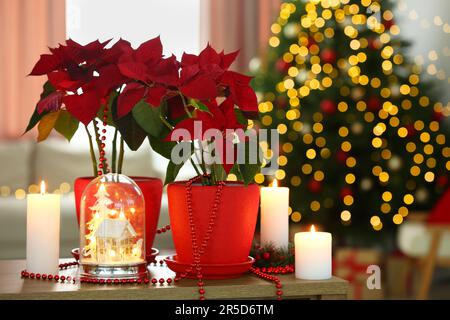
x: 361, y: 143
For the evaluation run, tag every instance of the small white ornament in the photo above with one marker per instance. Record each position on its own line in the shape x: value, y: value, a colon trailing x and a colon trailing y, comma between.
x: 366, y: 184
x: 254, y: 64
x: 357, y: 128
x: 306, y: 128
x: 291, y: 30
x: 395, y: 90
x: 421, y: 195
x: 302, y: 76
x: 395, y: 163
x: 357, y: 93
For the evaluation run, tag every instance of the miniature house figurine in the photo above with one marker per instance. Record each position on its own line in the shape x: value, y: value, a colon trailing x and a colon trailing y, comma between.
x: 114, y: 240
x: 112, y: 229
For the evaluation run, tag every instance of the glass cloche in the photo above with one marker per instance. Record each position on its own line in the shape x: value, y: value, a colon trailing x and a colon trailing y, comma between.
x: 112, y: 229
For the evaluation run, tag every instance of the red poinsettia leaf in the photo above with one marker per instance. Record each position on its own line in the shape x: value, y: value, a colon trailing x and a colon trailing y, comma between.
x: 134, y: 70
x: 227, y: 108
x: 47, y: 63
x: 81, y: 53
x: 50, y: 103
x: 188, y: 59
x: 188, y: 72
x: 208, y: 56
x: 61, y: 80
x: 175, y: 108
x: 131, y: 95
x: 109, y: 78
x: 201, y: 87
x: 232, y: 78
x: 202, y: 118
x: 155, y: 95
x: 149, y: 50
x: 228, y: 59
x: 216, y: 115
x: 84, y: 107
x: 245, y: 98
x: 112, y: 55
x: 165, y: 71
x: 186, y: 124
x: 213, y: 71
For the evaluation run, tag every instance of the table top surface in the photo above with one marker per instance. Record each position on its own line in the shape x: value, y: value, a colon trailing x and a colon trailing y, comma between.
x: 12, y: 286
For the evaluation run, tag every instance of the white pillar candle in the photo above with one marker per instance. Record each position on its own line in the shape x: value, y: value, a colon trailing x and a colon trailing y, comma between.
x: 313, y: 255
x: 275, y: 215
x: 43, y: 217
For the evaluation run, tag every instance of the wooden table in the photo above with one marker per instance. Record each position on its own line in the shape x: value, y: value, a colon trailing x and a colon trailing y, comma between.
x: 12, y: 286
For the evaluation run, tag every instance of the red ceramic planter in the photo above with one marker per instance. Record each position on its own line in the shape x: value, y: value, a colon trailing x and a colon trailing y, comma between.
x: 234, y: 227
x: 152, y: 191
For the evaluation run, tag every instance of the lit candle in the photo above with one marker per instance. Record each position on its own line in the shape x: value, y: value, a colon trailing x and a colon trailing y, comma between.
x: 275, y: 215
x: 313, y: 255
x: 43, y: 216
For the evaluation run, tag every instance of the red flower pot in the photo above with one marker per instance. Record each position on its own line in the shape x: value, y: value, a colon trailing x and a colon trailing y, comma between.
x: 234, y: 225
x: 151, y: 189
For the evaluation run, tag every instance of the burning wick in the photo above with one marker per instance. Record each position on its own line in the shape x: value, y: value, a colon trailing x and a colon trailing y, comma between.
x: 42, y: 187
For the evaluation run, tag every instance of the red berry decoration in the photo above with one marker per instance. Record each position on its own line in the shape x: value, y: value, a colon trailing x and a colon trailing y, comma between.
x: 311, y: 42
x: 341, y: 156
x: 328, y: 55
x: 438, y: 116
x: 374, y: 103
x: 314, y: 186
x: 346, y: 191
x: 328, y: 106
x: 388, y: 24
x: 282, y: 66
x: 411, y: 130
x: 266, y: 255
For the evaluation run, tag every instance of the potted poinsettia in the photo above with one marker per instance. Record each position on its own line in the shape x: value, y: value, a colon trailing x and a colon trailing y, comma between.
x: 203, y: 114
x: 83, y: 87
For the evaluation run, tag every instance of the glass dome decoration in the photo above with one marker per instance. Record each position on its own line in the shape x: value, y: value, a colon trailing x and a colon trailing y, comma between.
x: 112, y: 229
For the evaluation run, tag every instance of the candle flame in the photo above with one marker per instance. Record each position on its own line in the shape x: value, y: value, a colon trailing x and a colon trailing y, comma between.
x: 313, y: 229
x: 42, y: 187
x: 274, y: 183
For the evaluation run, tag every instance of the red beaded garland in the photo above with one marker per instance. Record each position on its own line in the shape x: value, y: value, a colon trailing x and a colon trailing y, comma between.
x: 269, y: 277
x: 198, y: 251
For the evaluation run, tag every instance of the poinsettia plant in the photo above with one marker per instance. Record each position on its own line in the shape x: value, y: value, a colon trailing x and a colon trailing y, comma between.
x: 144, y: 95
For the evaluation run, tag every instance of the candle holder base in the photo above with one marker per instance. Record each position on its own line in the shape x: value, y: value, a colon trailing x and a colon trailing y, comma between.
x: 107, y: 271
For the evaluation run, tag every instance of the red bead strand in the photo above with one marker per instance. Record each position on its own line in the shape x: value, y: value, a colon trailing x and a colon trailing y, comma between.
x: 197, y: 251
x: 269, y: 277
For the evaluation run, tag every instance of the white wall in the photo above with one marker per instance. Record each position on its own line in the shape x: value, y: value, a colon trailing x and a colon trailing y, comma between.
x: 177, y: 21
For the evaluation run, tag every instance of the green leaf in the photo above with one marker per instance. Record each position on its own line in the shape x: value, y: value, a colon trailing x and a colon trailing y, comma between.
x: 240, y: 117
x: 66, y: 124
x: 198, y: 105
x: 235, y: 170
x: 220, y: 172
x: 36, y: 117
x: 148, y: 117
x: 129, y: 129
x: 172, y: 172
x: 47, y: 124
x: 161, y: 147
x: 34, y: 120
x: 249, y: 171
